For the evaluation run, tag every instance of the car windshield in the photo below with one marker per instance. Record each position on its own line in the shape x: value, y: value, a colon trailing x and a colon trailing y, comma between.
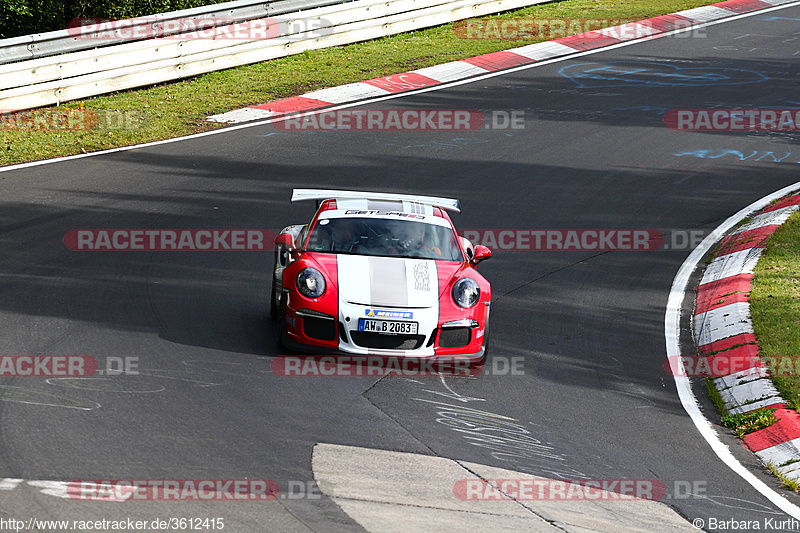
x: 384, y: 237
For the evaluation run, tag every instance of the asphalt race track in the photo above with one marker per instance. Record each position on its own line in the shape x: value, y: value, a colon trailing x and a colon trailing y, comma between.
x: 589, y: 325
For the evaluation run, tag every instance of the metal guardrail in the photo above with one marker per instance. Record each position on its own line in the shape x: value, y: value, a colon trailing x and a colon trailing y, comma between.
x: 64, y: 41
x: 139, y: 62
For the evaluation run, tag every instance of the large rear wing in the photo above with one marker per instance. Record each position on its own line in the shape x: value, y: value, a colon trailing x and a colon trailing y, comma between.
x: 298, y: 195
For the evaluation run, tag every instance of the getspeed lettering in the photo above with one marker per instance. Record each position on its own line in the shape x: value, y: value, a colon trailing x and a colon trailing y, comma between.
x: 383, y: 213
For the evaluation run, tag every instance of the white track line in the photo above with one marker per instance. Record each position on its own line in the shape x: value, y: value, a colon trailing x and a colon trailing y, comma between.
x: 672, y: 336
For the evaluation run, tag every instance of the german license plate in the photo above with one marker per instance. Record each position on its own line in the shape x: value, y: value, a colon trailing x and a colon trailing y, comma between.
x: 389, y: 327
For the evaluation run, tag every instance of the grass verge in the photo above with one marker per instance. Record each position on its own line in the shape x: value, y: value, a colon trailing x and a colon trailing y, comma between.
x: 179, y: 108
x: 775, y: 304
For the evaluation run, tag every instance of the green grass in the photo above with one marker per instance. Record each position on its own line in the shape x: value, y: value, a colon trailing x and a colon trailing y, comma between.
x: 775, y: 303
x: 179, y: 108
x: 744, y: 423
x: 713, y: 393
x: 788, y: 482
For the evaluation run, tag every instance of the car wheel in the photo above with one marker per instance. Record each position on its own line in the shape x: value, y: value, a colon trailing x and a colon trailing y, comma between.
x: 280, y: 331
x: 274, y: 311
x: 485, y: 343
x: 280, y: 334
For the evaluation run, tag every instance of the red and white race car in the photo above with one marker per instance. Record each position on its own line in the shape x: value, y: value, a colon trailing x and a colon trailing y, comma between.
x: 382, y: 274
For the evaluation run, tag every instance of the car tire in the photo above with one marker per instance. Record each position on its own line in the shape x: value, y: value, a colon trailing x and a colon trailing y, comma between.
x: 280, y: 329
x: 485, y: 344
x: 274, y: 310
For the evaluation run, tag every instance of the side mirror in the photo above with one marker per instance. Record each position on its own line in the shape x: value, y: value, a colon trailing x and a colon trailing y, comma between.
x: 285, y: 240
x: 481, y: 253
x: 469, y: 249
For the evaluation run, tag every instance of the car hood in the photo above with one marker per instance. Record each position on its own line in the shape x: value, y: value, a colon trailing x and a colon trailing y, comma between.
x: 393, y: 281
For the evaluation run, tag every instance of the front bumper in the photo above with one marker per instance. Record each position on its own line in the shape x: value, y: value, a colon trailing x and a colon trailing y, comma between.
x: 309, y: 331
x: 472, y: 359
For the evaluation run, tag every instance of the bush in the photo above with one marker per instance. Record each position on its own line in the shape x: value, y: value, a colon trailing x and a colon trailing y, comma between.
x: 23, y: 17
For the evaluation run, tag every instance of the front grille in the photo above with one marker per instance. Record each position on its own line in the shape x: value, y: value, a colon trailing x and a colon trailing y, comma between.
x: 454, y: 337
x: 323, y: 329
x: 387, y: 342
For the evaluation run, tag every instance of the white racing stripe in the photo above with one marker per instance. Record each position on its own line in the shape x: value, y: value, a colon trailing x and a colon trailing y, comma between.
x: 394, y: 285
x: 353, y: 270
x: 404, y: 206
x: 362, y: 204
x: 394, y: 282
x: 388, y: 283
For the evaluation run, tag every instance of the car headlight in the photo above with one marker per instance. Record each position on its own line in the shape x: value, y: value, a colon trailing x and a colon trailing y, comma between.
x: 310, y: 283
x: 466, y: 292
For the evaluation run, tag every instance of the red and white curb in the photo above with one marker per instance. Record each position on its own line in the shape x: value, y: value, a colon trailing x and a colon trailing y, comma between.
x: 723, y: 328
x: 483, y: 64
